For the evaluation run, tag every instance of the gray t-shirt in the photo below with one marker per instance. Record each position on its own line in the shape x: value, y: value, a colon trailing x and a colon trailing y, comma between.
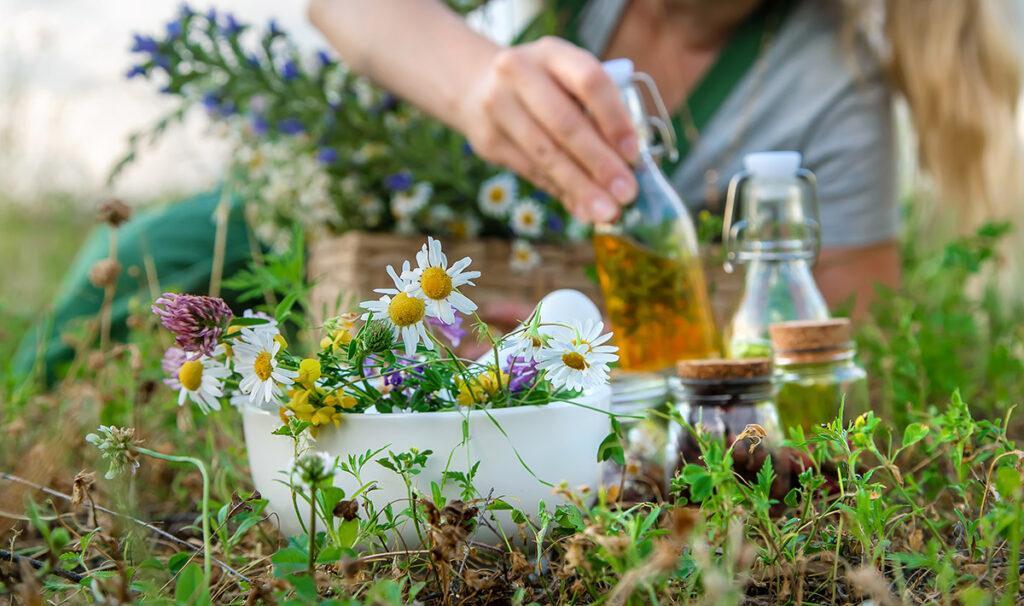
x: 808, y: 93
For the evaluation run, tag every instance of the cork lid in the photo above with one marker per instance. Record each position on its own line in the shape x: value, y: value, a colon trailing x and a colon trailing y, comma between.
x: 720, y: 369
x: 806, y: 336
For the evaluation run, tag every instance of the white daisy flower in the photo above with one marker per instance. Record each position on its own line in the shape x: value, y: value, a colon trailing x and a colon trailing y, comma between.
x: 526, y: 344
x: 270, y: 324
x: 524, y: 256
x: 255, y: 355
x: 528, y: 218
x: 579, y: 361
x: 202, y: 381
x: 403, y: 311
x: 438, y: 284
x: 497, y: 194
x: 439, y: 216
x: 464, y: 227
x: 404, y: 204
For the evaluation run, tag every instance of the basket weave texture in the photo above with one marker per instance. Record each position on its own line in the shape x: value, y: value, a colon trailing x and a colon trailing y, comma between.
x: 346, y: 268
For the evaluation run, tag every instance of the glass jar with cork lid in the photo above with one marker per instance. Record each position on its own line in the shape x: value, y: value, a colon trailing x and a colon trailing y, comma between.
x: 723, y: 399
x: 817, y: 373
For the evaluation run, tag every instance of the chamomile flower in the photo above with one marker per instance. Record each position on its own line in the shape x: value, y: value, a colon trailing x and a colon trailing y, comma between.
x: 403, y: 312
x: 497, y: 194
x: 202, y: 381
x: 464, y: 227
x: 438, y: 285
x: 578, y: 361
x: 528, y: 219
x: 255, y: 354
x: 524, y: 256
x: 526, y: 344
x: 405, y: 204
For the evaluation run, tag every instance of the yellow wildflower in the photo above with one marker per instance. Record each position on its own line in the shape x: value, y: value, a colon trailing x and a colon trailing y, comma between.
x: 325, y: 415
x: 341, y: 399
x: 309, y: 372
x: 480, y: 388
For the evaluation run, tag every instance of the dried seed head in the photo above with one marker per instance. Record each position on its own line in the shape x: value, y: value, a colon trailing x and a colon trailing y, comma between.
x: 81, y: 487
x: 104, y: 273
x: 347, y: 510
x: 113, y: 212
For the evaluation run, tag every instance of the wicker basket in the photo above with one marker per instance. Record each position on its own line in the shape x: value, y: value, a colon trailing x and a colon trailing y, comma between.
x: 345, y: 269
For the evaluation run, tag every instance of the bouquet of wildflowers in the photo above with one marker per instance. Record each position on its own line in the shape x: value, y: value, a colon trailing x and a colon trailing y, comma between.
x: 397, y: 356
x: 318, y: 146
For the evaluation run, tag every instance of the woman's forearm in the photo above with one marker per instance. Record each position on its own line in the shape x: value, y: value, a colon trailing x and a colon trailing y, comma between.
x: 418, y: 49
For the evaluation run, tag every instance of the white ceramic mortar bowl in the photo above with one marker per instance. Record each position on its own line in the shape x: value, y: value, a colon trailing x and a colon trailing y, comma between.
x: 558, y: 442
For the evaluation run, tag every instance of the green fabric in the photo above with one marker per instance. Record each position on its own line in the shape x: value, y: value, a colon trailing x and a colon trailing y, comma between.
x: 178, y: 238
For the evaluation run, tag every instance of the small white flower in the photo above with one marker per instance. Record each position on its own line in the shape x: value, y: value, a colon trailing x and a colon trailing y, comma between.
x: 632, y: 217
x: 371, y: 208
x: 527, y: 344
x: 528, y: 219
x: 202, y: 381
x: 579, y: 361
x: 439, y: 216
x: 403, y: 311
x: 438, y: 285
x: 405, y: 204
x: 464, y: 227
x: 255, y: 354
x: 497, y: 194
x: 270, y: 325
x: 524, y: 256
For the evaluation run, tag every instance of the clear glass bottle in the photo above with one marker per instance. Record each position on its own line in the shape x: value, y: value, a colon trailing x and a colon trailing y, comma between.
x: 721, y: 399
x: 777, y: 236
x: 648, y: 263
x: 638, y: 398
x: 816, y: 373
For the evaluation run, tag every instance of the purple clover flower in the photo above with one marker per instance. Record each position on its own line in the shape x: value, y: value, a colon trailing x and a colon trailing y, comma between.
x: 144, y: 44
x: 196, y: 321
x: 400, y: 181
x: 522, y: 373
x: 327, y: 155
x: 290, y: 71
x: 453, y: 332
x: 173, y: 358
x: 291, y: 126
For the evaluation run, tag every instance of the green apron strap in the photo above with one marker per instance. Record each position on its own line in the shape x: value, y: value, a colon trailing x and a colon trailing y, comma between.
x: 731, y: 65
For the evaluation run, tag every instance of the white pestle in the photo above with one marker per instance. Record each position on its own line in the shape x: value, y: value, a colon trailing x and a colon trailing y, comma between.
x: 563, y: 306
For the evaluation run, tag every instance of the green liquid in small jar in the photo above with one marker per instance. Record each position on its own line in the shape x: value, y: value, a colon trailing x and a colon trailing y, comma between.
x: 811, y: 395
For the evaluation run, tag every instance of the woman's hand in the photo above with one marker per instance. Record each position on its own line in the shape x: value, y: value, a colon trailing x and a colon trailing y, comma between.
x: 548, y: 111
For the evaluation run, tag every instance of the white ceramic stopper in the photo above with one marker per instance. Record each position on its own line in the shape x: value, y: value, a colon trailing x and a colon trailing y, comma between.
x: 773, y: 164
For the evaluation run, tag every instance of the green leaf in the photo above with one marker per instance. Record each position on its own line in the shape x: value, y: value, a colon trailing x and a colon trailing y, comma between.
x: 498, y: 505
x: 914, y: 433
x: 348, y: 532
x: 284, y: 308
x: 248, y: 321
x: 190, y: 590
x: 611, y: 449
x: 289, y: 560
x: 699, y: 481
x: 1008, y: 482
x: 176, y: 561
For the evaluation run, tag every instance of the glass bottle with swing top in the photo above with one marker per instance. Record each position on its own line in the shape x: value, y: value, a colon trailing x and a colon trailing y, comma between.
x: 771, y: 226
x: 648, y: 263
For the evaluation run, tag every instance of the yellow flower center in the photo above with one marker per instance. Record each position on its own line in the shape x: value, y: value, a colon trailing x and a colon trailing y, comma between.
x: 574, y: 360
x: 405, y: 310
x: 190, y: 375
x: 262, y: 366
x: 436, y: 283
x: 527, y: 218
x: 497, y: 195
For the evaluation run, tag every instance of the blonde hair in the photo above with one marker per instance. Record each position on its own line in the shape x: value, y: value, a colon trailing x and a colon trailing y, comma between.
x: 955, y: 64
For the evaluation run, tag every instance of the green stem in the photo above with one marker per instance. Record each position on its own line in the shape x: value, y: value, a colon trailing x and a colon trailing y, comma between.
x: 312, y: 535
x: 207, y: 557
